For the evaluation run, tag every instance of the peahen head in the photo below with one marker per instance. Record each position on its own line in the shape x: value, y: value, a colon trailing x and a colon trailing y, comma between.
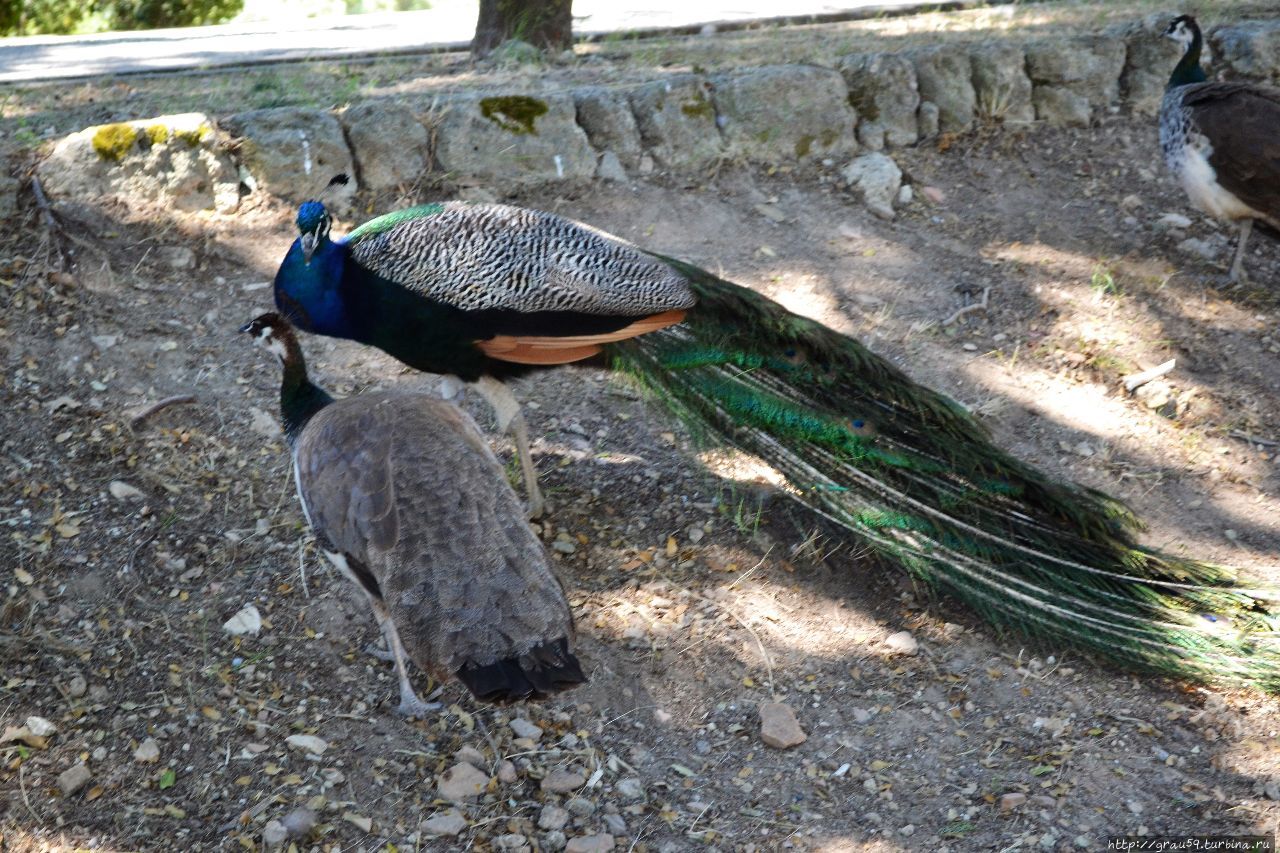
x: 313, y: 227
x: 274, y: 334
x: 1186, y: 32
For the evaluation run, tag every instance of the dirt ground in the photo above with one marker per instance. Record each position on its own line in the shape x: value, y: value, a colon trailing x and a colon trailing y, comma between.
x: 696, y: 597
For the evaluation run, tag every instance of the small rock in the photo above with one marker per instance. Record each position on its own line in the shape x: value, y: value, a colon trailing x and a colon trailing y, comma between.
x: 448, y: 823
x: 615, y: 824
x: 565, y: 546
x: 861, y: 715
x: 905, y: 195
x: 601, y: 843
x: 563, y: 781
x: 646, y: 165
x: 309, y: 744
x: 581, y: 807
x: 148, y: 752
x: 470, y: 755
x: 610, y: 168
x: 779, y: 727
x: 507, y: 773
x: 928, y: 117
x: 77, y: 686
x: 631, y: 788
x: 1012, y: 800
x: 299, y: 822
x: 247, y: 621
x: 878, y: 178
x: 523, y: 728
x: 902, y: 643
x: 73, y: 779
x: 122, y: 491
x: 933, y: 194
x: 1198, y: 248
x: 274, y: 834
x: 773, y: 214
x: 1130, y: 203
x: 176, y: 257
x: 462, y: 782
x: 552, y: 817
x: 553, y: 840
x: 40, y: 727
x: 1172, y: 220
x: 359, y: 821
x: 510, y: 841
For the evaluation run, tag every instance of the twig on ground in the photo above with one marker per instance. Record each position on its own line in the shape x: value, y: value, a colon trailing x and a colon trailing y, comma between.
x: 1253, y: 439
x: 50, y: 221
x: 969, y: 309
x: 177, y: 400
x: 1137, y: 380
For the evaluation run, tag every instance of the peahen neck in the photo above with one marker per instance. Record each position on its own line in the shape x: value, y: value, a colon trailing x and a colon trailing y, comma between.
x: 309, y: 294
x: 300, y: 398
x: 1188, y: 69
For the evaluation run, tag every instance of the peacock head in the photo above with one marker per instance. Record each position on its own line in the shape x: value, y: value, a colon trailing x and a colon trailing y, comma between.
x: 313, y: 227
x: 1184, y: 30
x: 273, y: 333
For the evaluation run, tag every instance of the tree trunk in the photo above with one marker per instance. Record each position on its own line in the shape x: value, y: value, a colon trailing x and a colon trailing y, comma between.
x: 544, y: 24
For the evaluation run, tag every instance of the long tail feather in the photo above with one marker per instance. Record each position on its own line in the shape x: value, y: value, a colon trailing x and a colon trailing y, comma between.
x: 914, y: 476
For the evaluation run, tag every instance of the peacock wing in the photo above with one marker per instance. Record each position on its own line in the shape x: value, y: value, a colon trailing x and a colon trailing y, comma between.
x: 497, y: 258
x: 466, y: 581
x: 1242, y: 124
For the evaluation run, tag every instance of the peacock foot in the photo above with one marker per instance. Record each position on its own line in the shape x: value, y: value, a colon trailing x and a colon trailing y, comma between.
x: 378, y: 652
x: 414, y: 708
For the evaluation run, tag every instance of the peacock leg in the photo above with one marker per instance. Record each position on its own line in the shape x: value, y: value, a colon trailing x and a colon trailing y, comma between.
x: 1237, y: 266
x: 410, y: 704
x: 506, y: 410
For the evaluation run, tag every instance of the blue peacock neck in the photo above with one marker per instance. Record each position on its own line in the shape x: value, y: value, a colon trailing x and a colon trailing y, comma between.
x: 309, y: 293
x: 1188, y: 69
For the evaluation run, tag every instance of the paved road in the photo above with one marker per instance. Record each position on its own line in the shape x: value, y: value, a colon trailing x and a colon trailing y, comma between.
x: 449, y: 24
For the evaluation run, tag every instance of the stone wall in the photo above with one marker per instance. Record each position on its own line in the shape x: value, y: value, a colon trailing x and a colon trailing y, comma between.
x: 870, y: 102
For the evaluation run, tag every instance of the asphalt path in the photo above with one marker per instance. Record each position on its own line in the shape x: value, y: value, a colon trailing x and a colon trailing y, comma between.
x: 447, y: 25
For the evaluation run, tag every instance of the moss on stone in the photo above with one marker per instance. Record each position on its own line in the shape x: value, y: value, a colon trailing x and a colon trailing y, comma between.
x: 113, y: 141
x: 864, y: 105
x: 699, y: 106
x: 514, y: 113
x: 194, y: 136
x: 158, y: 134
x: 828, y: 137
x: 803, y: 144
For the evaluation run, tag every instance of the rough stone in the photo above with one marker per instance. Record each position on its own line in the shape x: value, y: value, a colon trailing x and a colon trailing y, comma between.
x: 630, y: 788
x: 274, y: 834
x: 511, y: 841
x: 610, y: 168
x: 390, y: 146
x: 605, y: 115
x: 1149, y: 59
x: 871, y: 135
x: 9, y: 187
x: 523, y: 728
x: 1010, y: 801
x: 902, y: 643
x: 177, y: 161
x: 779, y: 727
x: 513, y: 139
x: 472, y: 756
x: 928, y: 119
x: 786, y: 112
x: 293, y: 153
x: 1250, y: 49
x: 878, y: 178
x: 581, y: 806
x: 944, y: 75
x: 563, y: 781
x: 677, y: 122
x: 883, y: 89
x: 1001, y: 87
x: 1074, y: 75
x: 601, y: 843
x: 299, y: 822
x: 461, y: 782
x: 506, y: 772
x: 552, y: 817
x: 148, y: 752
x: 176, y: 257
x: 448, y: 823
x: 73, y: 779
x: 553, y: 840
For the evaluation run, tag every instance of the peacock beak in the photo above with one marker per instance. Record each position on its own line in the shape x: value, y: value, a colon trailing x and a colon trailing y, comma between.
x: 308, y: 246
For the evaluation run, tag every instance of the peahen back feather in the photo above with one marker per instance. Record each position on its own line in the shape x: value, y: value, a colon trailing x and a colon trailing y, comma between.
x: 912, y: 474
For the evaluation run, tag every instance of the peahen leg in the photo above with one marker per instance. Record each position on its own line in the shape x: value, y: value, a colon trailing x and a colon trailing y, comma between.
x: 506, y: 409
x: 1237, y: 266
x: 410, y: 704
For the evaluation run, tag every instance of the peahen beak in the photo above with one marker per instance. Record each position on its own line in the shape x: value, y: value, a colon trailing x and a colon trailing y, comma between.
x: 308, y: 246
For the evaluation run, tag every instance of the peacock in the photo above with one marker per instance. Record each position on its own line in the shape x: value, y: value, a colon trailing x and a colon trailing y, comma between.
x: 1221, y: 141
x: 487, y: 291
x: 408, y: 502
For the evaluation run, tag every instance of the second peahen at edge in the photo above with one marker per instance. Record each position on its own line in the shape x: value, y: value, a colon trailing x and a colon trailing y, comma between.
x: 487, y: 291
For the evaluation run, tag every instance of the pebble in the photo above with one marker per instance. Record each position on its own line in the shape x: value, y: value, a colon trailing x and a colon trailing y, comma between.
x: 470, y: 755
x: 563, y: 781
x: 309, y: 744
x: 581, y: 807
x: 1198, y: 248
x: 523, y: 728
x: 73, y: 779
x: 40, y: 727
x: 552, y: 817
x: 631, y: 788
x: 148, y: 752
x: 77, y: 687
x: 1173, y: 220
x: 462, y: 782
x: 779, y: 727
x: 506, y: 773
x: 590, y: 844
x: 448, y: 823
x: 122, y: 491
x: 177, y: 257
x: 247, y: 621
x: 934, y: 194
x: 553, y: 840
x: 274, y: 834
x: 616, y: 824
x: 1130, y: 203
x: 1012, y: 800
x: 299, y: 822
x: 511, y: 841
x: 902, y: 643
x: 861, y: 715
x: 565, y: 546
x: 905, y: 195
x: 610, y: 168
x: 970, y: 347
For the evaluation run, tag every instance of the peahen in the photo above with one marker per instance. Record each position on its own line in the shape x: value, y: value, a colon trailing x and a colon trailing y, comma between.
x: 471, y: 289
x: 1221, y: 141
x: 408, y: 502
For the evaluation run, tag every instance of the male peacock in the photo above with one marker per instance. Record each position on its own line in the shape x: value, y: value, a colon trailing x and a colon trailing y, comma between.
x: 409, y: 503
x: 1221, y: 141
x: 906, y: 470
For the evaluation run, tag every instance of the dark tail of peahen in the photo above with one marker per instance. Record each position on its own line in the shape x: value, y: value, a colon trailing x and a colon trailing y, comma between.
x: 914, y: 476
x: 547, y: 669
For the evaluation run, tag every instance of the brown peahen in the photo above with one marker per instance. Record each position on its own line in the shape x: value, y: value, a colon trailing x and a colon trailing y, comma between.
x: 474, y: 289
x: 408, y: 502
